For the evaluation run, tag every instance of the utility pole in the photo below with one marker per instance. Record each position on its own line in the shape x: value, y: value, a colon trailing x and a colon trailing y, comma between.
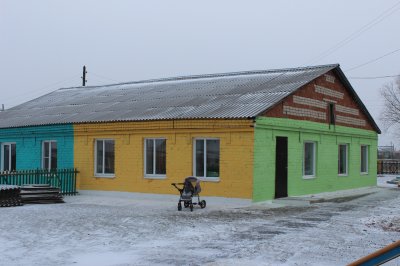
x: 84, y: 76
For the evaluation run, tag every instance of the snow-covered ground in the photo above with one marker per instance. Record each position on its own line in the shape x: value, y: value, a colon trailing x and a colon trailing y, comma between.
x: 112, y: 228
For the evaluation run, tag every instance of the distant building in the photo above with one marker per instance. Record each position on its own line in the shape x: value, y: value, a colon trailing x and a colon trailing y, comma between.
x: 259, y: 134
x: 386, y: 152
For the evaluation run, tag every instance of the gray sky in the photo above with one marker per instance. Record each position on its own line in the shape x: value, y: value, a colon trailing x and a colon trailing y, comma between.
x: 44, y: 44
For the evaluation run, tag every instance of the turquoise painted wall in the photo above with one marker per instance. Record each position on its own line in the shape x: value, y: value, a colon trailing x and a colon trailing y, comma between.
x: 327, y: 140
x: 29, y: 144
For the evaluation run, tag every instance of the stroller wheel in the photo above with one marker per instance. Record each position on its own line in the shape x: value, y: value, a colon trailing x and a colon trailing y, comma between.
x: 191, y: 207
x: 186, y: 204
x: 179, y: 206
x: 203, y: 204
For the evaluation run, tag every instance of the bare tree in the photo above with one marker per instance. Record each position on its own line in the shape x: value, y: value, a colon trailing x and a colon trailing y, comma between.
x: 390, y: 115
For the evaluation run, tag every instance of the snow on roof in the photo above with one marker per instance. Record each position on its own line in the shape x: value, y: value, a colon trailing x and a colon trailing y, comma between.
x: 213, y: 96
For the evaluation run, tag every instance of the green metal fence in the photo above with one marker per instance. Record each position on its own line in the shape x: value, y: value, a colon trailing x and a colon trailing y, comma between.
x: 65, y: 179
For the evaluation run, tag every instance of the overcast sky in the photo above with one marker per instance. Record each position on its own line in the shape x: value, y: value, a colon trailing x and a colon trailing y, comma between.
x: 44, y: 44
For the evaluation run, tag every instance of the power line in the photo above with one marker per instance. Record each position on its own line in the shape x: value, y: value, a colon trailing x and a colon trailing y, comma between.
x: 357, y: 33
x: 97, y: 81
x: 379, y: 77
x: 373, y: 60
x: 103, y: 77
x: 44, y: 88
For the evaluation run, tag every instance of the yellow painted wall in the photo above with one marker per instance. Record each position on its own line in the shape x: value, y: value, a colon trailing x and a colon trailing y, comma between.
x: 236, y: 155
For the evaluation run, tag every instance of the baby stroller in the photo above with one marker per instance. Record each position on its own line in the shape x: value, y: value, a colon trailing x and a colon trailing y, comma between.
x: 191, y: 188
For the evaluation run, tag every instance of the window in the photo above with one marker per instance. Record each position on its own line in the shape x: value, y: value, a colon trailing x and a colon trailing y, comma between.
x: 343, y: 154
x: 206, y: 158
x: 49, y: 155
x: 364, y: 159
x: 309, y: 159
x: 155, y: 157
x: 105, y: 156
x: 9, y: 157
x: 331, y: 113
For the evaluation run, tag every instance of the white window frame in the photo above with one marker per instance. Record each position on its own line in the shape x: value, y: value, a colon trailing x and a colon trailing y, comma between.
x: 205, y: 178
x: 366, y: 158
x: 153, y: 176
x: 314, y: 159
x: 2, y: 154
x: 347, y: 159
x: 43, y: 153
x: 95, y: 159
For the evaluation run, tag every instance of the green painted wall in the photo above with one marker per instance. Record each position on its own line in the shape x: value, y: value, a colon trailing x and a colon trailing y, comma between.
x: 327, y: 140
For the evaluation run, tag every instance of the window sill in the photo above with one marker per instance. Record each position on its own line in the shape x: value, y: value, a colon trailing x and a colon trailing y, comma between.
x: 364, y: 173
x: 209, y: 179
x: 309, y: 177
x: 104, y: 176
x: 345, y: 175
x: 155, y: 177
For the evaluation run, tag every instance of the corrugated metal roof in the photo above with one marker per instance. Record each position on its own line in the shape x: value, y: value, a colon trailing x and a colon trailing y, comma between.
x: 229, y: 95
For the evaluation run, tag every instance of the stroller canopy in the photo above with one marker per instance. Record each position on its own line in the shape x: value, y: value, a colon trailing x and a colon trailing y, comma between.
x: 192, y: 184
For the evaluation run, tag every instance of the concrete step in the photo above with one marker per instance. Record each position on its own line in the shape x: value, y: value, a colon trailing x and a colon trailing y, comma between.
x: 337, y: 196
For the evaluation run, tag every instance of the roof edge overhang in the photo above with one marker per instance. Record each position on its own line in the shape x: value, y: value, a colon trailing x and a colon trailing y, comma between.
x: 130, y: 120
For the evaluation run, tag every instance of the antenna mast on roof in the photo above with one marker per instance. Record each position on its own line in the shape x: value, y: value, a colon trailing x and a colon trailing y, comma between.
x: 84, y: 76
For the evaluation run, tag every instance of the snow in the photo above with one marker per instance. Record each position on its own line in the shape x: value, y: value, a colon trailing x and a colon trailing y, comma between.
x: 119, y: 228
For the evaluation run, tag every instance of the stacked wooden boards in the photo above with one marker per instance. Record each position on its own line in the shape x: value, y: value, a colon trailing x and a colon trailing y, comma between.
x: 33, y: 193
x: 40, y: 193
x: 10, y: 196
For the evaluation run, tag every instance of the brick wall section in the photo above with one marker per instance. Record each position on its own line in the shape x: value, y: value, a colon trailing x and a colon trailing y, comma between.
x: 302, y: 112
x: 350, y: 120
x: 346, y: 110
x: 236, y: 155
x: 29, y: 141
x: 311, y: 97
x: 309, y: 101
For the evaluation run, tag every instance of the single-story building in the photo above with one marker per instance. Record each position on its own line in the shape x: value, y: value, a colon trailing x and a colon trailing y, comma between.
x: 258, y: 134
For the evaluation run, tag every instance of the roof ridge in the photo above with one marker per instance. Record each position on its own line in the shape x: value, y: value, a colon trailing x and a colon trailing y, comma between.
x: 205, y: 76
